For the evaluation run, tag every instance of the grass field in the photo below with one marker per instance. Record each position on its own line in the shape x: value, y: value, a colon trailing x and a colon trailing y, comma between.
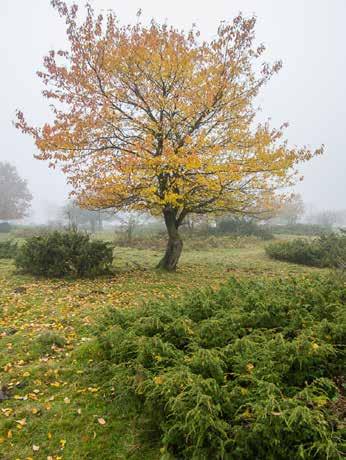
x: 53, y: 404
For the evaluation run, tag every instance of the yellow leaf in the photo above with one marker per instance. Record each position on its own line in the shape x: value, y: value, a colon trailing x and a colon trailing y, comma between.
x: 55, y: 384
x: 7, y: 411
x: 93, y: 390
x: 7, y: 367
x: 158, y: 380
x: 67, y: 400
x: 21, y: 422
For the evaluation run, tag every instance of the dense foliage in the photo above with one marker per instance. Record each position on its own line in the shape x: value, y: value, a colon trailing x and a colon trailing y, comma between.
x: 8, y: 249
x: 324, y: 251
x: 243, y: 227
x: 251, y: 371
x: 67, y: 253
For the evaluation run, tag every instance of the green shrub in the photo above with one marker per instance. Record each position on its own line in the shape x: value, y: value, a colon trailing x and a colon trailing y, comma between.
x: 324, y: 251
x: 8, y: 249
x: 250, y: 371
x: 68, y: 253
x: 243, y: 227
x: 5, y: 227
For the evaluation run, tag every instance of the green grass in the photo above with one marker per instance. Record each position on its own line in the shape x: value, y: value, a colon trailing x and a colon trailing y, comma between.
x: 56, y: 399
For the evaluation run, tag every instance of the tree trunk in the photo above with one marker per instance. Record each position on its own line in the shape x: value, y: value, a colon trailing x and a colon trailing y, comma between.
x: 92, y: 225
x: 100, y: 223
x: 174, y: 247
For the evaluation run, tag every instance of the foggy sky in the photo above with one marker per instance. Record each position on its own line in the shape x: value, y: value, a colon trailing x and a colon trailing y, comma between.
x: 309, y: 92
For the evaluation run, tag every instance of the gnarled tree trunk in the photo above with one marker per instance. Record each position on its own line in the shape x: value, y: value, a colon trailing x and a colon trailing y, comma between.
x: 175, y: 243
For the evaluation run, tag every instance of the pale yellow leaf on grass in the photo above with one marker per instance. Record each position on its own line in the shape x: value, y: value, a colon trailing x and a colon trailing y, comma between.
x: 21, y: 422
x: 101, y: 421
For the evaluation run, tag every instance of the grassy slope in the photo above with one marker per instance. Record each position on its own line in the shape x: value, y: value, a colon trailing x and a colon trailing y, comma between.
x: 54, y: 403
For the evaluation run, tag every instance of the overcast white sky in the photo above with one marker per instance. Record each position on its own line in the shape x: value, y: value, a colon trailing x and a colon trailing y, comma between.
x: 310, y: 91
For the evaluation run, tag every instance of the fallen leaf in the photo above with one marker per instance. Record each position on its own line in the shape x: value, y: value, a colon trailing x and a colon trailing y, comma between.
x: 7, y: 411
x: 21, y: 422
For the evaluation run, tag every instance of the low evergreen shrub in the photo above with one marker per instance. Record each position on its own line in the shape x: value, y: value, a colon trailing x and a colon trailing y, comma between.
x: 8, y: 249
x: 250, y: 371
x: 324, y: 251
x: 67, y: 253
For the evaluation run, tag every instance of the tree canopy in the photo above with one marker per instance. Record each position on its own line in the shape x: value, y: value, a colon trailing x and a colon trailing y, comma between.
x: 154, y: 118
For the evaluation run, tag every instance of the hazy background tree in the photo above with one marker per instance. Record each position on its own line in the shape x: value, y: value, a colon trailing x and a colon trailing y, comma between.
x: 291, y: 210
x: 130, y: 222
x: 78, y: 217
x: 15, y: 198
x: 327, y: 218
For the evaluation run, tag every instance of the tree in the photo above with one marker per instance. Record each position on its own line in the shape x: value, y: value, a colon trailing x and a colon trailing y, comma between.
x: 129, y: 222
x: 292, y: 209
x: 325, y: 218
x: 15, y: 197
x: 153, y: 118
x: 77, y: 217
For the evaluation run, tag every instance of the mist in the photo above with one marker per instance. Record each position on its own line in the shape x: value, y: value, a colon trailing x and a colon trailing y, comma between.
x: 309, y: 92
